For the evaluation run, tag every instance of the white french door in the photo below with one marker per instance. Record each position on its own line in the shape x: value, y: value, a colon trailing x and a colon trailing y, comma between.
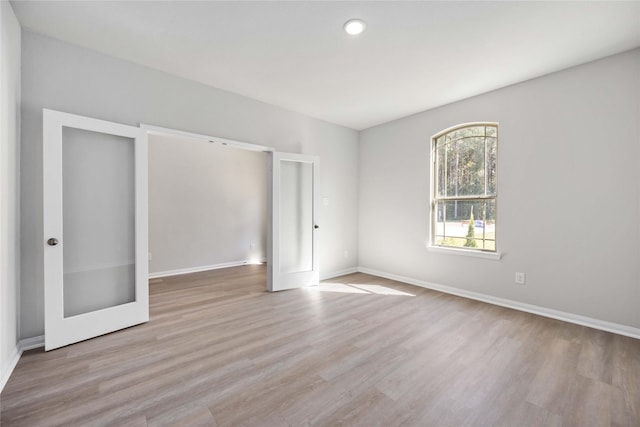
x: 95, y: 227
x: 292, y: 247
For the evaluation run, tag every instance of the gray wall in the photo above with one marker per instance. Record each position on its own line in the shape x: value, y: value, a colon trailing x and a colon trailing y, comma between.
x: 64, y: 77
x: 9, y: 184
x: 569, y: 192
x: 207, y: 204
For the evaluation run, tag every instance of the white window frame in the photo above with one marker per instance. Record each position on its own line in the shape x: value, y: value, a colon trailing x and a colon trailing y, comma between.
x: 431, y: 246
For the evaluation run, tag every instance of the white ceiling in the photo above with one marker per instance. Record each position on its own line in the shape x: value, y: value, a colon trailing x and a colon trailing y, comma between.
x: 414, y: 55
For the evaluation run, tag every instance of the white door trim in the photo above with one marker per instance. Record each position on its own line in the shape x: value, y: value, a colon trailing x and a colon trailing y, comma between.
x: 158, y: 130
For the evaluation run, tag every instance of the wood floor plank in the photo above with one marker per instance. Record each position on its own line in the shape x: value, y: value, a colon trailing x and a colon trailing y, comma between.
x: 359, y: 350
x: 589, y: 403
x: 595, y: 360
x: 552, y: 383
x: 525, y: 414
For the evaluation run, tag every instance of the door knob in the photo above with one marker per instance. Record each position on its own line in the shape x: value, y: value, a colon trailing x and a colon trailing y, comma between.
x: 52, y: 241
x: 316, y: 226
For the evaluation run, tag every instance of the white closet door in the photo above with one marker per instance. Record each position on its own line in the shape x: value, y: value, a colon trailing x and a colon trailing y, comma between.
x: 95, y: 225
x: 293, y: 243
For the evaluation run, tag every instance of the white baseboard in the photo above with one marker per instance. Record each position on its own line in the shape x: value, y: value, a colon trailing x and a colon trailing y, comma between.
x: 23, y: 345
x: 236, y: 264
x: 7, y: 370
x: 603, y: 325
x: 31, y: 343
x: 338, y: 273
x: 199, y: 269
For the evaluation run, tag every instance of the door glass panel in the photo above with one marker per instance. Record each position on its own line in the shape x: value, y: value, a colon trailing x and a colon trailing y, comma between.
x: 296, y: 216
x: 98, y: 242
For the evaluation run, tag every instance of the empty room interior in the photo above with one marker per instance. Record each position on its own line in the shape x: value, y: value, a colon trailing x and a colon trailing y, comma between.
x: 320, y: 213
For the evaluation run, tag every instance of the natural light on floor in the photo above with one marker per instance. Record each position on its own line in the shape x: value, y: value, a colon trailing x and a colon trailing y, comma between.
x: 360, y: 288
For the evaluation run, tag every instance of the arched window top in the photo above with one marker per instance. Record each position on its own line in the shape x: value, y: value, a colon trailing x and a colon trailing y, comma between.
x: 467, y: 130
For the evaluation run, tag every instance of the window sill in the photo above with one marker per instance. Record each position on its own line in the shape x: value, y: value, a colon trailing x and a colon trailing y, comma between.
x: 465, y: 252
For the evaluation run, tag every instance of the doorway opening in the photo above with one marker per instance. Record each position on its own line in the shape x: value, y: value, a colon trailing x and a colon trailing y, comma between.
x: 207, y: 203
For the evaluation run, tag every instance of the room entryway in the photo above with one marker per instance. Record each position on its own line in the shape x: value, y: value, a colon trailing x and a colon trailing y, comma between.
x: 96, y: 223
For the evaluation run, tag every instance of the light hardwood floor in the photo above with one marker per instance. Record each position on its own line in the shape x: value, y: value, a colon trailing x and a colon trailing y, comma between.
x: 358, y: 350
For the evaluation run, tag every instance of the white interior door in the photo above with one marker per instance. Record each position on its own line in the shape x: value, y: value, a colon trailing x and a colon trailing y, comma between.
x: 95, y: 225
x: 292, y: 247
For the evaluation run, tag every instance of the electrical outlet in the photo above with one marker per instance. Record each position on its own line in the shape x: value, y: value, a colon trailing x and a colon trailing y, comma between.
x: 346, y: 254
x: 150, y: 257
x: 521, y: 278
x: 252, y: 246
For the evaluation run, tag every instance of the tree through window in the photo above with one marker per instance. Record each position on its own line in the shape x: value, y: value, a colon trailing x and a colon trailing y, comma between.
x: 463, y: 209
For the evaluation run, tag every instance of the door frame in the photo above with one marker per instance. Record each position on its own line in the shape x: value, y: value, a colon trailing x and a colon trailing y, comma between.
x: 158, y: 130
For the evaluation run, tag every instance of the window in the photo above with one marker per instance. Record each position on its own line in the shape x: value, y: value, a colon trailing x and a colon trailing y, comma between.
x: 463, y: 207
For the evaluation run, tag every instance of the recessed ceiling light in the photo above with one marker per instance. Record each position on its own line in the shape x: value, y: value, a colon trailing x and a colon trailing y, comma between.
x: 354, y: 26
